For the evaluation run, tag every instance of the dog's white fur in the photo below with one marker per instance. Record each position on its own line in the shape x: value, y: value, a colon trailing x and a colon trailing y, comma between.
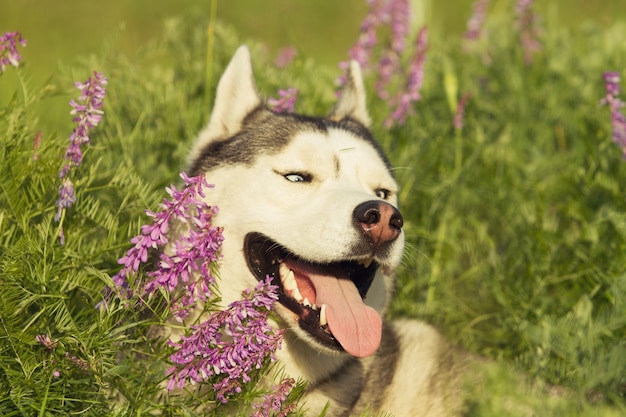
x: 413, y: 371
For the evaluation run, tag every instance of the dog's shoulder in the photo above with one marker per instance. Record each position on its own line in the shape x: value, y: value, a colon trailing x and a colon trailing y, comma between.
x: 415, y: 361
x: 415, y: 372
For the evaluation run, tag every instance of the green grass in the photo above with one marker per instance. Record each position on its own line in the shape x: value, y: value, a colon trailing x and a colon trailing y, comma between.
x: 516, y: 224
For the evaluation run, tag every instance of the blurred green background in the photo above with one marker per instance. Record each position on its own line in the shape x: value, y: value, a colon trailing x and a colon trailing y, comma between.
x: 60, y: 33
x: 322, y: 29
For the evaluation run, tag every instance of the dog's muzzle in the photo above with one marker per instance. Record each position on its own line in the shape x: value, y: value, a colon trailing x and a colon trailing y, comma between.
x: 328, y: 298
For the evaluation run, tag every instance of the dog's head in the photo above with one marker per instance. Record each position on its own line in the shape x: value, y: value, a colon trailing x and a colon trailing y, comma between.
x: 310, y: 202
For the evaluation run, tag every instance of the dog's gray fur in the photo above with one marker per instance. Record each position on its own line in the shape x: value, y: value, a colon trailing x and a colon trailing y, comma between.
x: 252, y: 155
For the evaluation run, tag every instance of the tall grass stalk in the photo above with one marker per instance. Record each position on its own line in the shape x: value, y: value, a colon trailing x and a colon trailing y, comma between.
x: 210, y: 50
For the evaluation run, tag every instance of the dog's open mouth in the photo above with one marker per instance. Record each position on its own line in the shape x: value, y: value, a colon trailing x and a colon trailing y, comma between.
x: 326, y: 298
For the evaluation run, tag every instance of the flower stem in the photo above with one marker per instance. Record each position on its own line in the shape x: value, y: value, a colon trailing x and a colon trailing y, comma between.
x: 458, y: 154
x: 433, y: 281
x: 44, y: 403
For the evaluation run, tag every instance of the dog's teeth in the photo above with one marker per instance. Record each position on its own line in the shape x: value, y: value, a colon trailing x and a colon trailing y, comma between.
x: 287, y: 278
x: 323, y: 319
x: 296, y: 294
x: 290, y: 283
x: 283, y: 271
x: 314, y: 306
x: 306, y: 302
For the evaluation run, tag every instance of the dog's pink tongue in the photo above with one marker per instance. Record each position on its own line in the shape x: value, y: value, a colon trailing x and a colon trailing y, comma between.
x: 356, y: 326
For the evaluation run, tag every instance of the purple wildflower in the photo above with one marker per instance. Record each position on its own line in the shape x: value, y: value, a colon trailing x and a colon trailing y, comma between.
x: 191, y: 254
x: 88, y: 109
x: 388, y: 66
x: 9, y: 55
x: 416, y: 74
x: 286, y: 102
x: 229, y: 345
x: 411, y: 93
x: 611, y: 83
x: 527, y: 27
x: 393, y: 16
x: 363, y: 48
x: 67, y: 197
x: 398, y: 12
x: 87, y: 113
x: 47, y: 342
x: 81, y: 364
x: 476, y: 21
x: 285, y: 56
x: 274, y: 402
x: 460, y: 111
x: 618, y: 121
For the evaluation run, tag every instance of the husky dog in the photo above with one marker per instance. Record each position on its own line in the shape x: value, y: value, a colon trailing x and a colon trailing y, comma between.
x: 312, y: 202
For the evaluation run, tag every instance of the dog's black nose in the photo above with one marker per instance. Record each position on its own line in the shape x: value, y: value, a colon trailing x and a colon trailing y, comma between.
x: 380, y: 221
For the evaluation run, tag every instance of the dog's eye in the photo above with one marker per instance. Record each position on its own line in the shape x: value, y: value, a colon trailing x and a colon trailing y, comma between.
x: 298, y: 177
x: 382, y: 193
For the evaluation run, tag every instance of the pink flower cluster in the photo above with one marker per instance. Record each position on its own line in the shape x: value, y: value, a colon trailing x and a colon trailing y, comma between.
x: 189, y: 258
x: 404, y: 99
x: 396, y: 15
x: 618, y: 121
x: 229, y: 344
x: 528, y: 30
x: 399, y: 86
x: 9, y: 55
x: 274, y: 403
x: 225, y: 348
x: 87, y: 111
x: 476, y: 22
x: 363, y: 49
x: 286, y: 101
x: 457, y: 122
x: 46, y: 341
x: 286, y: 56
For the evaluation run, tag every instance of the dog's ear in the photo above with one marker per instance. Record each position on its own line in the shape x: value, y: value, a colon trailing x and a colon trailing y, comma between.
x: 353, y: 101
x: 236, y: 95
x: 235, y: 98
